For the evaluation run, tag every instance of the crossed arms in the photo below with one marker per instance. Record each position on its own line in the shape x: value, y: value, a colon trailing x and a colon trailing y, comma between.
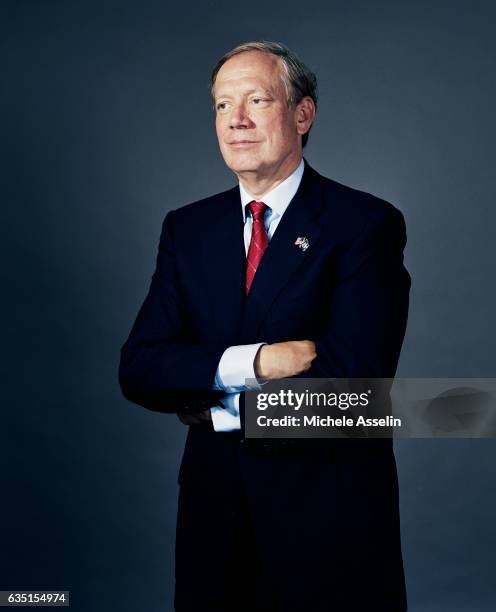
x: 163, y: 366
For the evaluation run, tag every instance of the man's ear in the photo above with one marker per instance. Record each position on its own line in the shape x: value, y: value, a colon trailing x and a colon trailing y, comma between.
x: 305, y: 114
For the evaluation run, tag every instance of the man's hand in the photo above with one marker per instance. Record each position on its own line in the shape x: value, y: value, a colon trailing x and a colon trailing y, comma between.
x: 284, y: 359
x: 195, y: 419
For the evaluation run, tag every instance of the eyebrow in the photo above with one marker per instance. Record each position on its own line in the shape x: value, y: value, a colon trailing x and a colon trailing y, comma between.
x: 248, y: 93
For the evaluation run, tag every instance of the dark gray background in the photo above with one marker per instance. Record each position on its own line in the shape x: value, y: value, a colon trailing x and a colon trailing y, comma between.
x: 109, y: 125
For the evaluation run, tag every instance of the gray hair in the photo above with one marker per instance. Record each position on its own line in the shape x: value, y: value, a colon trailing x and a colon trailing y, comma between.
x: 298, y: 79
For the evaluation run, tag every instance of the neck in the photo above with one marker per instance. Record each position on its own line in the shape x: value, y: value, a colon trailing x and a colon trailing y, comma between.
x: 261, y: 181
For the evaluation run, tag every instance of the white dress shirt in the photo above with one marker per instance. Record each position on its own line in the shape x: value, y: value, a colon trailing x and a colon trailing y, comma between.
x: 237, y: 362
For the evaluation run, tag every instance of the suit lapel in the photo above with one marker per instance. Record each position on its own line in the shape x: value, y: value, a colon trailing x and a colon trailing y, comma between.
x: 282, y: 257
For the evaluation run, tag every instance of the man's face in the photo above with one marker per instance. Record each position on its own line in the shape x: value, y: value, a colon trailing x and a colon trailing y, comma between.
x: 256, y: 128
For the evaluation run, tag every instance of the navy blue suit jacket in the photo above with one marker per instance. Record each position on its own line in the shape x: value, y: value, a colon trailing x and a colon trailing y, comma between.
x: 312, y: 527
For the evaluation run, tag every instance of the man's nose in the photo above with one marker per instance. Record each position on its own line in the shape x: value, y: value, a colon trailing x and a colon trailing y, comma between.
x: 239, y: 117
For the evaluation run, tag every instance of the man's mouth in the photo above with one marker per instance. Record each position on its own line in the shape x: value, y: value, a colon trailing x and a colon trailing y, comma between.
x: 240, y: 143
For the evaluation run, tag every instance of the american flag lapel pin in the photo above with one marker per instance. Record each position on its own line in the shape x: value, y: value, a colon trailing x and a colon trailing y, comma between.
x: 302, y: 242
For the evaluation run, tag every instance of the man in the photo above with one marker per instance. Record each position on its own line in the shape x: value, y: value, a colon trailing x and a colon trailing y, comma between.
x: 287, y: 274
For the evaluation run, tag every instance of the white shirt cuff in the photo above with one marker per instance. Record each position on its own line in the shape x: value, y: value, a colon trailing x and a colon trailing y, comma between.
x: 236, y: 365
x: 227, y: 418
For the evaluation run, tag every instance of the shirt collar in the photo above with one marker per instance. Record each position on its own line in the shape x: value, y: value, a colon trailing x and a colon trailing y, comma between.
x: 277, y: 199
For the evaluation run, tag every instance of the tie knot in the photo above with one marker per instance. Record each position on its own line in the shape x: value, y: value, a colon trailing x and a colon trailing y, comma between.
x: 257, y: 210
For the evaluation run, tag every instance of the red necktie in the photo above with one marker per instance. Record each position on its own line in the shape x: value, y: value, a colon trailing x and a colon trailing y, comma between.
x: 258, y: 243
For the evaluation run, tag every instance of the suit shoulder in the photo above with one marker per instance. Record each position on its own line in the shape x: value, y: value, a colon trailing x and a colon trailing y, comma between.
x: 355, y: 213
x: 196, y: 212
x: 356, y: 202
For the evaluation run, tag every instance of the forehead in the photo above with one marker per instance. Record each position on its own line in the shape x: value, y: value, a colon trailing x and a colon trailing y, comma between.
x: 249, y: 69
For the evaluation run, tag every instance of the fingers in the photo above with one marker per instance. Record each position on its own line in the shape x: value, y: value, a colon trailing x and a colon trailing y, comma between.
x: 195, y: 419
x: 306, y: 354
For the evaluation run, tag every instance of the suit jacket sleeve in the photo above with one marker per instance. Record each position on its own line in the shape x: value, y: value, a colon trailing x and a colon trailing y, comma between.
x: 366, y: 322
x: 161, y: 366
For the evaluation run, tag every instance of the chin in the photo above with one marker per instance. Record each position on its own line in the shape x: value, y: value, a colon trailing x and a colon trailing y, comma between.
x: 248, y: 159
x: 238, y: 168
x: 242, y: 164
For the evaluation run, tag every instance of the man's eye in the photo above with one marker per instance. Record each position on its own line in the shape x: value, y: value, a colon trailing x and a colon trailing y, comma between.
x: 260, y: 101
x: 221, y: 106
